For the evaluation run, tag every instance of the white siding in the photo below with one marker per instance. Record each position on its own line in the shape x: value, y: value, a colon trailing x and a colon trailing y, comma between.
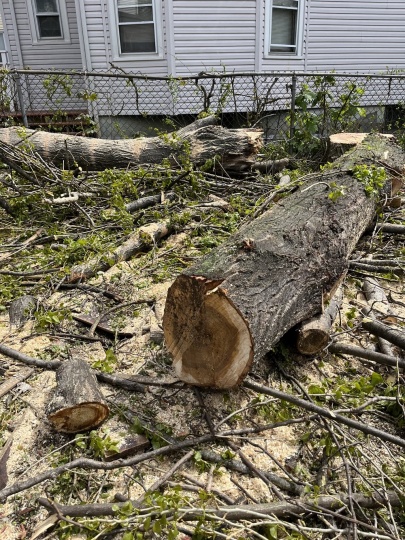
x: 364, y: 36
x: 214, y: 35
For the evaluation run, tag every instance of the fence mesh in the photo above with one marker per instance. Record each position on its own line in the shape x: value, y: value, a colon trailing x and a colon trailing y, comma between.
x: 115, y: 105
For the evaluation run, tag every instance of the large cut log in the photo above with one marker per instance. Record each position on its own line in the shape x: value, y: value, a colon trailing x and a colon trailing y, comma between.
x: 77, y: 404
x: 238, y: 301
x: 201, y: 140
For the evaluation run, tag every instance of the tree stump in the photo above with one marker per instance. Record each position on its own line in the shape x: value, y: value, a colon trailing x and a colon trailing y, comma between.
x: 238, y: 301
x: 77, y: 404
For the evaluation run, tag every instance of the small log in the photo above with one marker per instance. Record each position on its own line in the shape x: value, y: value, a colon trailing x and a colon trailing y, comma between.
x: 127, y: 447
x: 377, y: 328
x: 313, y: 334
x: 77, y: 404
x: 241, y: 298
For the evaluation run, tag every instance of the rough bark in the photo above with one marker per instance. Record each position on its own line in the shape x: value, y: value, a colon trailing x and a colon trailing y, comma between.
x: 236, y: 148
x: 77, y: 404
x: 367, y: 354
x: 313, y: 334
x: 238, y: 301
x: 377, y: 328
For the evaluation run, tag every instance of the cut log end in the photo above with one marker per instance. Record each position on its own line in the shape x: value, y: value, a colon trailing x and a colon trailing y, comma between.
x: 312, y: 340
x: 81, y: 417
x: 206, y: 334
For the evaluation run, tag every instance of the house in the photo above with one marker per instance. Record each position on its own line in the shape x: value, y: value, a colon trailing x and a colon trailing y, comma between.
x: 179, y: 38
x: 183, y: 37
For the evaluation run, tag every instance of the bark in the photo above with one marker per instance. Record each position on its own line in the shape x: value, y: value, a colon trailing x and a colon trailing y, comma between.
x: 367, y: 354
x: 201, y: 140
x: 21, y: 309
x: 393, y: 335
x: 392, y: 228
x: 77, y: 404
x: 377, y: 299
x: 313, y: 334
x: 237, y: 302
x: 141, y: 240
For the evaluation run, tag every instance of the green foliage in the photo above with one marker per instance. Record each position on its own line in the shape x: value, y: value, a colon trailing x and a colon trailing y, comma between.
x: 49, y: 319
x: 336, y: 191
x: 372, y: 177
x: 319, y: 112
x: 101, y: 445
x: 107, y: 364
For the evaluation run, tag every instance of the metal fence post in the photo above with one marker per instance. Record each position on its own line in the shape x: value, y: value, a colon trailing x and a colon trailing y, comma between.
x: 20, y: 96
x: 292, y: 111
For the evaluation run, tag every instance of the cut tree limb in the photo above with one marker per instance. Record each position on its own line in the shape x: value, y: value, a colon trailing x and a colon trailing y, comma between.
x: 313, y: 334
x: 377, y: 328
x: 367, y: 354
x: 141, y: 240
x: 77, y: 404
x: 201, y: 140
x: 239, y: 300
x: 377, y: 299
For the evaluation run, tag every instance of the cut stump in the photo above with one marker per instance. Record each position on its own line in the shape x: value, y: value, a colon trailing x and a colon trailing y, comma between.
x: 236, y: 303
x: 77, y: 404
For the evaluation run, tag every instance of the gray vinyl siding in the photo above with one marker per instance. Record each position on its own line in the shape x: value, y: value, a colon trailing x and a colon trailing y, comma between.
x: 43, y: 55
x: 364, y: 36
x: 12, y: 38
x: 99, y: 36
x: 214, y: 35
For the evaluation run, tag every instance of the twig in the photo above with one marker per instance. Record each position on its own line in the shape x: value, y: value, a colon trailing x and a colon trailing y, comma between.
x: 282, y: 509
x: 116, y: 308
x: 368, y: 430
x: 162, y: 481
x: 113, y: 380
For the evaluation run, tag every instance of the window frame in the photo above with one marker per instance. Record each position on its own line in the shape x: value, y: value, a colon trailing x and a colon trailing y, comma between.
x: 117, y: 55
x: 297, y: 54
x: 63, y: 21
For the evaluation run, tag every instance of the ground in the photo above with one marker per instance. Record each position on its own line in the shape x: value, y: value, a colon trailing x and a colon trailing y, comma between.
x: 265, y: 449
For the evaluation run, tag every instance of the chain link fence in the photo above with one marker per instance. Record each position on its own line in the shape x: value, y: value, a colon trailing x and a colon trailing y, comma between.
x: 118, y: 105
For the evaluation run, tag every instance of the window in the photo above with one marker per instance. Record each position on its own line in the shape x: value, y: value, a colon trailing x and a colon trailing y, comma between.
x: 48, y: 19
x: 284, y: 27
x: 136, y: 26
x: 49, y: 22
x: 136, y: 29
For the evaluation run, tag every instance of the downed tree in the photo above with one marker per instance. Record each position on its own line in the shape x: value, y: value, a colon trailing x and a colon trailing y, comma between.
x: 239, y: 300
x: 201, y: 140
x: 77, y: 404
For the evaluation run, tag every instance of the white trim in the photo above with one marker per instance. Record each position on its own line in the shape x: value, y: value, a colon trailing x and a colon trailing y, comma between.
x: 267, y: 31
x: 63, y: 19
x: 83, y: 35
x: 16, y: 36
x: 117, y: 56
x: 170, y: 43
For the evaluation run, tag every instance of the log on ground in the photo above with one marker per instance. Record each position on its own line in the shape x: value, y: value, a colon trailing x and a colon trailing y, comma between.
x: 236, y: 303
x: 201, y: 140
x: 77, y: 404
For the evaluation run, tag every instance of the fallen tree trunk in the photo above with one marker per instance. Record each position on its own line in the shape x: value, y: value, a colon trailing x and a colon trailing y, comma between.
x: 201, y: 141
x: 77, y: 404
x: 238, y: 301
